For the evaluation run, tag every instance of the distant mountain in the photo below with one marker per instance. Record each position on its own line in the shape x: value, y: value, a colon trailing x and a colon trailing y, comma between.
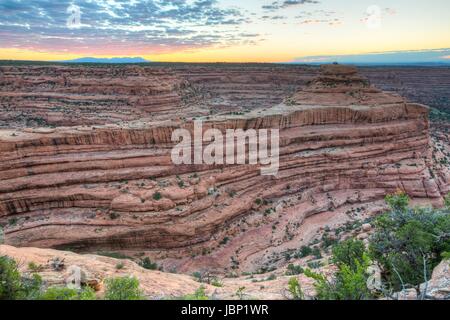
x: 107, y: 60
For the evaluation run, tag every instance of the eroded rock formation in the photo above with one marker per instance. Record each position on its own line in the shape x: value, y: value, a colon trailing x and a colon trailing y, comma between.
x: 343, y: 146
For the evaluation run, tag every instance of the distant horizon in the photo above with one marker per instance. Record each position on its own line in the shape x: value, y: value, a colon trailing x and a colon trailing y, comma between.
x: 417, y: 57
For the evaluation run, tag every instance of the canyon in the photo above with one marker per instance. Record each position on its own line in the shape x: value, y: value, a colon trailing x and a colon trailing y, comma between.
x: 85, y: 160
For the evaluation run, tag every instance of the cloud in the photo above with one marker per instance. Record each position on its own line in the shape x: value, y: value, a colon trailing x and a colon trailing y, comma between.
x: 117, y: 26
x: 274, y: 17
x: 287, y: 3
x: 331, y: 22
x: 381, y: 14
x: 319, y: 17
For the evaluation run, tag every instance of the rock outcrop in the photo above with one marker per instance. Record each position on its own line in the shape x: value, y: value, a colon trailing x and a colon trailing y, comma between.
x: 437, y: 288
x: 343, y: 146
x: 95, y: 269
x: 155, y: 285
x: 63, y: 95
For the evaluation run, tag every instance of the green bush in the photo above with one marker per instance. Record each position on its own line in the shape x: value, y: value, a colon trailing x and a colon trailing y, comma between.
x: 304, y: 252
x: 216, y: 283
x: 10, y: 280
x: 293, y: 270
x: 146, y: 263
x: 63, y: 293
x: 349, y: 283
x: 32, y: 287
x: 87, y: 294
x: 15, y: 287
x: 123, y: 288
x: 157, y: 196
x: 350, y: 253
x: 199, y: 294
x: 316, y: 253
x: 120, y: 266
x: 295, y: 290
x: 445, y: 255
x: 407, y: 242
x: 398, y: 201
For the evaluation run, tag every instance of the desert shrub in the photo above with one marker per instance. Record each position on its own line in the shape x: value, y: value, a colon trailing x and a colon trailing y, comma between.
x: 304, y: 252
x: 32, y: 287
x: 33, y: 267
x: 447, y: 201
x: 316, y: 253
x: 87, y: 294
x: 15, y: 287
x: 198, y: 276
x: 146, y: 263
x: 63, y: 293
x: 114, y: 215
x: 398, y: 201
x: 293, y: 270
x: 314, y: 264
x: 10, y: 280
x: 349, y: 283
x: 199, y: 294
x: 240, y: 293
x: 328, y: 241
x: 157, y: 196
x: 295, y: 290
x: 216, y: 283
x: 349, y: 252
x: 123, y: 288
x: 120, y: 266
x: 271, y: 277
x: 408, y: 241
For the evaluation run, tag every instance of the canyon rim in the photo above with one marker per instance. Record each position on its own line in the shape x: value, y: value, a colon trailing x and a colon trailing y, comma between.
x: 241, y: 151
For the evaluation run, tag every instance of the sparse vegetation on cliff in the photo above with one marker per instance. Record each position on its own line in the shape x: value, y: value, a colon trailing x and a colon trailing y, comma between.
x: 349, y: 282
x: 123, y: 288
x: 408, y: 244
x: 14, y: 286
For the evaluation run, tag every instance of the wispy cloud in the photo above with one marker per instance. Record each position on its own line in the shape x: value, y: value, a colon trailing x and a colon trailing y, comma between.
x: 146, y: 26
x: 287, y: 3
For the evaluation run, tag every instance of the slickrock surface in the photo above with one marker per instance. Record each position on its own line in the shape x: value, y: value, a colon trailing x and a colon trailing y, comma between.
x: 156, y: 285
x: 161, y: 285
x: 96, y: 269
x: 437, y: 288
x: 344, y: 146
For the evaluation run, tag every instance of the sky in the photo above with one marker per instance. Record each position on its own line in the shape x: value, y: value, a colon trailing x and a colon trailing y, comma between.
x: 226, y: 30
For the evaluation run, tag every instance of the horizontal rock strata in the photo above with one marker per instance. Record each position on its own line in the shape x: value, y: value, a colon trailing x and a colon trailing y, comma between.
x: 114, y: 187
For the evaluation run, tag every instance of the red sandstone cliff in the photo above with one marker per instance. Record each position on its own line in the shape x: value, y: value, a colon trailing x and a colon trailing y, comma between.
x: 344, y: 145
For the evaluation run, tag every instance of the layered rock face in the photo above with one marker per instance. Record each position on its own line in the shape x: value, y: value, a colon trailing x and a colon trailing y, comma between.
x: 64, y: 95
x: 420, y: 84
x: 36, y: 96
x: 343, y: 146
